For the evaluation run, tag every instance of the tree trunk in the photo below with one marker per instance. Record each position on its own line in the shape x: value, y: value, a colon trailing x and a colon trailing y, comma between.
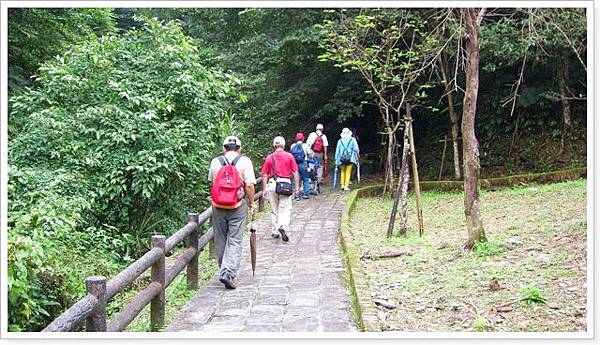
x: 470, y: 144
x: 563, y: 75
x: 401, y: 191
x: 415, y: 170
x: 453, y: 115
x: 389, y: 162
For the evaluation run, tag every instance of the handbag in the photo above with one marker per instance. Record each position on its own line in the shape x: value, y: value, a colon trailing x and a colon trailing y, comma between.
x: 283, y: 186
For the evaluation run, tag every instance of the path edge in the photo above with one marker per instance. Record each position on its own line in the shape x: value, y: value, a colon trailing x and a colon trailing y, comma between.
x: 363, y: 306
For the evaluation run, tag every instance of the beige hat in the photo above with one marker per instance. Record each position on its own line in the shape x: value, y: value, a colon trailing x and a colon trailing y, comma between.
x: 278, y: 141
x: 232, y: 140
x: 320, y: 126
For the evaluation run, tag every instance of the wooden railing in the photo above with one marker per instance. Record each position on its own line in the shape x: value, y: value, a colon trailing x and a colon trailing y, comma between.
x: 92, y: 307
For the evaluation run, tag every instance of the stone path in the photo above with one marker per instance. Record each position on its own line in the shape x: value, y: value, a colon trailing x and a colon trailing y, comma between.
x: 298, y: 285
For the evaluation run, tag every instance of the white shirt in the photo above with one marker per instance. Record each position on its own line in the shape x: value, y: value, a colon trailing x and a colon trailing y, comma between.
x: 313, y: 136
x: 243, y: 166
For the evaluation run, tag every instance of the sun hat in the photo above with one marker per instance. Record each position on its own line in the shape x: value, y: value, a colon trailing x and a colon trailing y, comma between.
x: 320, y: 127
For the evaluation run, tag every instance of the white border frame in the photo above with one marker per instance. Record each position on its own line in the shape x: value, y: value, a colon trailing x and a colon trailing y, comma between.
x: 592, y: 207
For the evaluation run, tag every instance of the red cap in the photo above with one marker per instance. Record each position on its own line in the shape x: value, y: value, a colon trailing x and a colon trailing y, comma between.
x: 300, y: 136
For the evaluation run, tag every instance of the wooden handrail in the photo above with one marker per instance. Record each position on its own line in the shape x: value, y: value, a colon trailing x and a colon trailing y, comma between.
x: 92, y: 307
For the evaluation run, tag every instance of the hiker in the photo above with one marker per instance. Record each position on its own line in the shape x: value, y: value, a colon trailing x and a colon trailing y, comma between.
x: 317, y: 141
x: 346, y: 154
x: 278, y: 169
x: 232, y: 177
x: 300, y: 150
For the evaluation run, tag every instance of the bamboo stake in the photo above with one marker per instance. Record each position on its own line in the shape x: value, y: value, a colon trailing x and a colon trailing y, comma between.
x: 415, y: 169
x: 443, y: 156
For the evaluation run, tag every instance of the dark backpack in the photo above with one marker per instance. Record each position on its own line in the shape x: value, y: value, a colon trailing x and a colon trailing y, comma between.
x: 298, y: 152
x: 346, y: 158
x: 317, y: 146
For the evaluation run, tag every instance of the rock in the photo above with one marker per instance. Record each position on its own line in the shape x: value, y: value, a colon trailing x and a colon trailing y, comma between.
x: 572, y: 289
x: 495, y: 284
x: 420, y: 309
x: 506, y: 309
x: 443, y: 245
x: 514, y: 241
x: 544, y: 258
x: 455, y: 307
x: 553, y: 306
x: 381, y: 315
x: 385, y: 304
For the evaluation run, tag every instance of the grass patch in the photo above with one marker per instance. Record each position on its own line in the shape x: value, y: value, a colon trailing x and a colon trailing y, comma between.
x: 533, y: 295
x: 488, y: 248
x: 536, y: 233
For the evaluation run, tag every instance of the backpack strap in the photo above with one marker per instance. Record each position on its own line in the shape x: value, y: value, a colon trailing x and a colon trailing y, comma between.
x: 273, y: 165
x: 223, y: 160
x: 236, y: 159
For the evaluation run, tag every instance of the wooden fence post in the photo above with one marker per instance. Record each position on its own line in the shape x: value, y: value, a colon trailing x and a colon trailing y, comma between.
x: 261, y: 200
x: 157, y: 306
x: 96, y: 286
x: 192, y: 242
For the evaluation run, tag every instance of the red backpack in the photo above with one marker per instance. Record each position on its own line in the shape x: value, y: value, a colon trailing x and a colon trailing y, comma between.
x: 317, y: 146
x: 227, y: 185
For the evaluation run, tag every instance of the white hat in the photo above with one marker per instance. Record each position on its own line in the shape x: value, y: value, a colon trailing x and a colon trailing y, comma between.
x: 346, y: 133
x: 232, y: 140
x: 320, y: 126
x: 278, y: 141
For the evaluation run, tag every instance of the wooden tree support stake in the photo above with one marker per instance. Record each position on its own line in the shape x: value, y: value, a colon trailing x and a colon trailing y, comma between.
x: 443, y: 156
x: 415, y: 169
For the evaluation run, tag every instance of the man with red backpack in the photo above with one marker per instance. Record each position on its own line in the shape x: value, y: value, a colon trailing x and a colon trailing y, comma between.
x: 232, y: 177
x: 317, y: 141
x: 278, y: 169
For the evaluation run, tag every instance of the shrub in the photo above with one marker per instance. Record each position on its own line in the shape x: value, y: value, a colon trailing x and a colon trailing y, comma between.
x: 533, y: 294
x: 113, y: 145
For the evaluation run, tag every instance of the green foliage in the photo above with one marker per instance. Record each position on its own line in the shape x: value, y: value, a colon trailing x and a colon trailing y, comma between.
x: 480, y: 325
x: 488, y: 248
x: 112, y: 146
x: 533, y: 294
x: 274, y: 50
x: 37, y: 34
x: 387, y: 47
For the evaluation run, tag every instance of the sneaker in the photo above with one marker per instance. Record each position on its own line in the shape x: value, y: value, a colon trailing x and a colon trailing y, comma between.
x: 297, y: 198
x: 275, y: 235
x: 305, y: 197
x: 284, y: 236
x: 227, y: 281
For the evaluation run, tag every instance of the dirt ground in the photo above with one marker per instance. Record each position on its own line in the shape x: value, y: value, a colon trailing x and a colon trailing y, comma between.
x: 536, y: 247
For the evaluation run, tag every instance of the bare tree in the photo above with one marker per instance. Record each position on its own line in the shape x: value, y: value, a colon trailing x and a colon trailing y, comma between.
x: 471, y: 166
